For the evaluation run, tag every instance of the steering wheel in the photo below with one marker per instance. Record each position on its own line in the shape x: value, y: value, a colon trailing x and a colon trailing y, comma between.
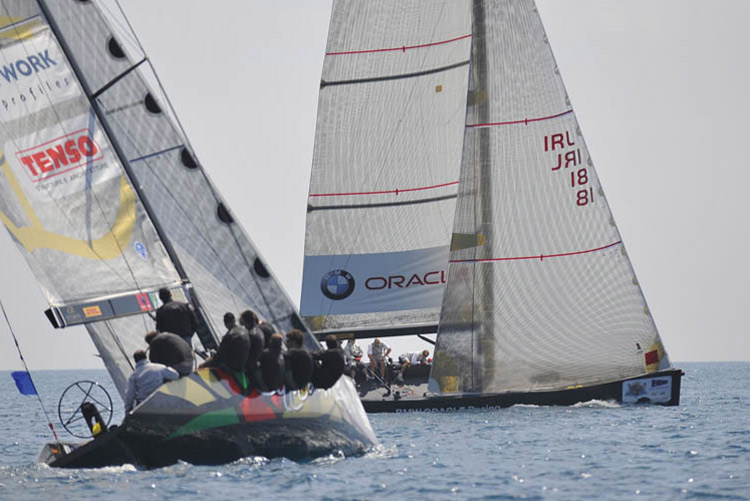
x: 72, y: 399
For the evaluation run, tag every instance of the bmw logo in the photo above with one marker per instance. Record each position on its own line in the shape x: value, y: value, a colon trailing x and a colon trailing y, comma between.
x: 337, y: 284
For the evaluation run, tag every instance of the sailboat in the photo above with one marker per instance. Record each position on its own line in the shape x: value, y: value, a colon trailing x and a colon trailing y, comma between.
x: 106, y: 200
x: 452, y: 193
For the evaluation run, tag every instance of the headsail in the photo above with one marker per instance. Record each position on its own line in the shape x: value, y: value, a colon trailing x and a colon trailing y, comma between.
x: 547, y: 299
x: 385, y: 167
x: 88, y: 70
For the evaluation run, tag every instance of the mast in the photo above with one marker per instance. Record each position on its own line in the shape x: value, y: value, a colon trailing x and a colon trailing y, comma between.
x: 205, y: 332
x: 483, y: 329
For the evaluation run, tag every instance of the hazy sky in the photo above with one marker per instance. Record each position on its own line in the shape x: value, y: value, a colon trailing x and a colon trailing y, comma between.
x: 660, y: 89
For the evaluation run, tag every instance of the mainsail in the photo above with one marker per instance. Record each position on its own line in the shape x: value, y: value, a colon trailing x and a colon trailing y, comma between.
x: 101, y: 190
x: 385, y: 168
x: 547, y: 298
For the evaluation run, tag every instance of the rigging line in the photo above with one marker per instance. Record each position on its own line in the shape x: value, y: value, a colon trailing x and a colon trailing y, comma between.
x: 63, y: 212
x: 26, y: 367
x: 384, y: 192
x: 111, y: 16
x: 200, y: 232
x: 118, y: 343
x: 313, y: 208
x: 324, y: 83
x: 540, y: 257
x: 195, y: 198
x: 402, y: 49
x: 210, y: 187
x: 525, y: 121
x: 252, y: 276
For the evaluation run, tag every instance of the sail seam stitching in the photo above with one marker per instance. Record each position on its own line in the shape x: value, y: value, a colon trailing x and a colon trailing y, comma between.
x: 525, y: 121
x: 395, y: 191
x: 540, y: 257
x: 403, y: 48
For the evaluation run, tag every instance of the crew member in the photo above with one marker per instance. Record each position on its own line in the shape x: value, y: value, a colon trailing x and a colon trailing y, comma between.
x: 377, y: 351
x: 249, y: 320
x: 175, y: 317
x: 229, y: 321
x: 271, y: 361
x: 232, y: 352
x: 352, y: 351
x: 268, y: 330
x: 329, y: 364
x: 170, y: 350
x: 146, y: 378
x: 298, y: 361
x: 409, y: 359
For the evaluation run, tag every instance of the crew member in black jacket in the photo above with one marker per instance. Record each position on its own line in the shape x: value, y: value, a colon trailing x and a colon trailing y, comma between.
x: 329, y: 364
x: 175, y: 317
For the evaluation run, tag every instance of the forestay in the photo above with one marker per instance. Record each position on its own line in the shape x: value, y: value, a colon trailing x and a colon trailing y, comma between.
x: 547, y: 299
x: 385, y: 168
x: 81, y: 225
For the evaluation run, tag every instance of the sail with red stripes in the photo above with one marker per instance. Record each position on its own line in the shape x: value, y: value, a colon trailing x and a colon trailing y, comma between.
x: 385, y: 169
x: 541, y: 294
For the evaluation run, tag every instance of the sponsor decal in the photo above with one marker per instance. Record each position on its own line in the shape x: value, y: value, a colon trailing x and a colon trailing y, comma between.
x: 390, y: 281
x: 652, y: 357
x: 66, y: 158
x: 59, y: 155
x: 143, y: 301
x: 92, y: 311
x: 636, y: 389
x: 337, y: 284
x: 33, y: 76
x: 436, y: 277
x: 654, y: 390
x: 140, y: 250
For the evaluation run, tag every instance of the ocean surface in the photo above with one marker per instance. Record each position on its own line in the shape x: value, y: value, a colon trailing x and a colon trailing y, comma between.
x: 699, y: 450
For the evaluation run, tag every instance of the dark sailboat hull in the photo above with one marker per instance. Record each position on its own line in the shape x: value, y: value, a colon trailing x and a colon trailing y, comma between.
x: 622, y: 391
x: 204, y: 419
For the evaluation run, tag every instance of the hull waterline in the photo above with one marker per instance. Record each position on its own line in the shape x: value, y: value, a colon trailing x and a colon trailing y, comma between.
x: 622, y: 391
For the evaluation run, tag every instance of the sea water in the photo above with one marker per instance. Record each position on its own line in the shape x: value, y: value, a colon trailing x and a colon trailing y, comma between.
x: 699, y: 450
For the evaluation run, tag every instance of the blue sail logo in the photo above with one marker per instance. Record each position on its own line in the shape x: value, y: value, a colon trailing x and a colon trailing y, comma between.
x: 337, y: 284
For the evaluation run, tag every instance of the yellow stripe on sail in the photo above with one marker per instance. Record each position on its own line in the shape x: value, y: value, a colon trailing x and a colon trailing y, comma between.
x: 35, y: 236
x: 464, y: 241
x: 19, y: 32
x: 656, y: 358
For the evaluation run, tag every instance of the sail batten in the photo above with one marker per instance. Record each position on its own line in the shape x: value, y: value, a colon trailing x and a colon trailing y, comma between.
x: 385, y: 78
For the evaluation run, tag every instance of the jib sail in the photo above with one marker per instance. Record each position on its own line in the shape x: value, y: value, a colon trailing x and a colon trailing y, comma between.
x: 547, y: 298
